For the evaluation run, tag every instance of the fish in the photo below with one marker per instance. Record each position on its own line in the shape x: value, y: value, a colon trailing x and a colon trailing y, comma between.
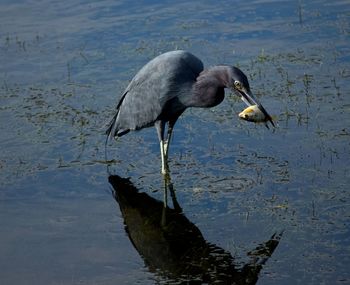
x: 254, y: 114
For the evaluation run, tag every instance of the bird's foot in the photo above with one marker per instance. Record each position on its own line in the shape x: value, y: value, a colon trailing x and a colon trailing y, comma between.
x: 166, y: 174
x: 165, y: 171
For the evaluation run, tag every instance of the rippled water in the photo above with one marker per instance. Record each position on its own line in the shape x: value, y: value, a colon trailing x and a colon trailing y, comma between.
x: 63, y: 67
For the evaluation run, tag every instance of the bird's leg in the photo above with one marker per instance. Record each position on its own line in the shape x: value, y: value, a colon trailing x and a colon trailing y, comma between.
x: 160, y: 126
x: 166, y: 147
x: 168, y: 138
x: 164, y: 158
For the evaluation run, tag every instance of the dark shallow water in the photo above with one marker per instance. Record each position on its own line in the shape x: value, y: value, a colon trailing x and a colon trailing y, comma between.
x: 63, y: 67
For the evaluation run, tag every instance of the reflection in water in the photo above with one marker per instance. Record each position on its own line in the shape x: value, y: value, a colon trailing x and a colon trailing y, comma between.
x: 174, y: 248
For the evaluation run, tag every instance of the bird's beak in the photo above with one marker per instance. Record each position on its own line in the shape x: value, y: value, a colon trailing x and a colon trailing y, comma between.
x: 250, y: 100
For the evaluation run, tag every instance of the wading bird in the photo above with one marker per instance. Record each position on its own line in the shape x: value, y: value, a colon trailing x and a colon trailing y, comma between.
x: 169, y: 84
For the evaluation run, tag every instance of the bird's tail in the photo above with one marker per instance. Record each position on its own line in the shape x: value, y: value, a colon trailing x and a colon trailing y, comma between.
x: 110, y: 131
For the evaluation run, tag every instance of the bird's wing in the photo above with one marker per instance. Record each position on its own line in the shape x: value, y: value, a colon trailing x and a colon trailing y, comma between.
x: 159, y: 81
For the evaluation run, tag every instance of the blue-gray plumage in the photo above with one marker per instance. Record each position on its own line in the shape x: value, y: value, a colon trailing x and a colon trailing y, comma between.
x: 166, y: 86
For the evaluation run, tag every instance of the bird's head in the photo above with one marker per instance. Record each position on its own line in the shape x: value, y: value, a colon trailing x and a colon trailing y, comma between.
x: 238, y: 82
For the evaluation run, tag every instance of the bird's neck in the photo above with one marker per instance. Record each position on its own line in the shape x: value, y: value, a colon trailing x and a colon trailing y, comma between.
x: 221, y: 73
x: 208, y: 90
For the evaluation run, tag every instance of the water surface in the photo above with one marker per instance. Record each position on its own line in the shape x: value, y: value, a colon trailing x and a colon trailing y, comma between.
x: 63, y: 68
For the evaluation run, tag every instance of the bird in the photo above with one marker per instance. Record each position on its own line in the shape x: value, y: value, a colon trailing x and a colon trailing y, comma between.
x: 169, y: 84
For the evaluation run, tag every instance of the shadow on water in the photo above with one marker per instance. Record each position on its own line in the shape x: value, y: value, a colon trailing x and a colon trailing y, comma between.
x: 174, y: 249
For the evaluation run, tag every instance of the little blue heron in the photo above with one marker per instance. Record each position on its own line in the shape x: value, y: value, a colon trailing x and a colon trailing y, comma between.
x: 166, y: 86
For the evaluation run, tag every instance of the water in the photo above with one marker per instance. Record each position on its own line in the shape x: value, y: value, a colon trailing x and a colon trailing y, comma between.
x: 63, y: 66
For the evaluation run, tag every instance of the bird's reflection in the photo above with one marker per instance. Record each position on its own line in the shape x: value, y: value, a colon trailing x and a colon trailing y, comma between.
x: 174, y: 248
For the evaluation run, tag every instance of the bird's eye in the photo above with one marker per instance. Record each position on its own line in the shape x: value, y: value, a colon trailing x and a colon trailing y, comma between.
x: 238, y: 85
